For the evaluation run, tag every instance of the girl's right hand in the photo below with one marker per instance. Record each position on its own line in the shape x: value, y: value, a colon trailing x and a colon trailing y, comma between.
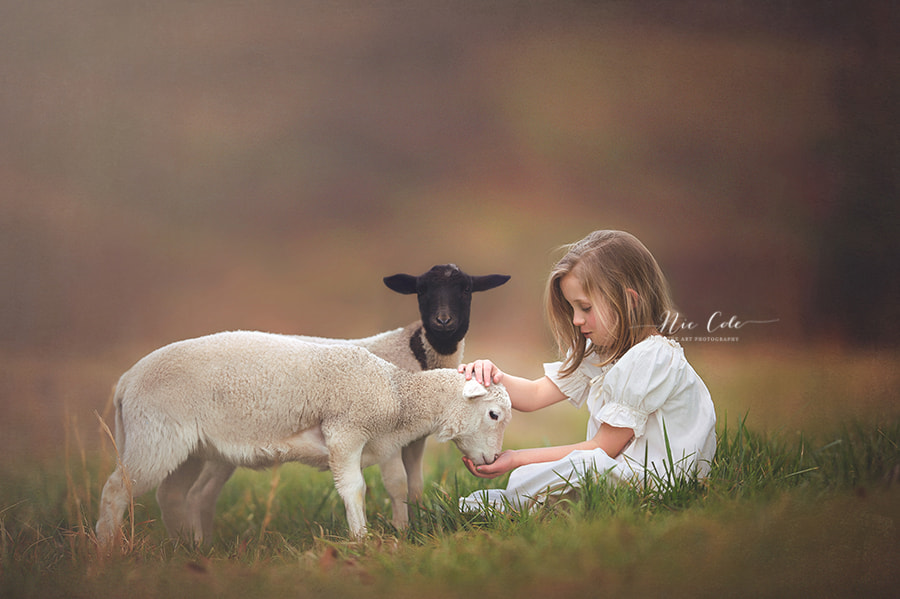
x: 503, y: 464
x: 484, y: 371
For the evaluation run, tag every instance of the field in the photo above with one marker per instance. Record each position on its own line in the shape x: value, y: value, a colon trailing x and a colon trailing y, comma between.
x: 172, y: 169
x: 795, y: 505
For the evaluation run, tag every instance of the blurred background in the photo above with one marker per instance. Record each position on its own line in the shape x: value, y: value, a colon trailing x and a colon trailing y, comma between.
x: 174, y: 168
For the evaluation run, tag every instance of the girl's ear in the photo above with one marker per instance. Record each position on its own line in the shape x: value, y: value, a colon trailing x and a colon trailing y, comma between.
x: 634, y: 295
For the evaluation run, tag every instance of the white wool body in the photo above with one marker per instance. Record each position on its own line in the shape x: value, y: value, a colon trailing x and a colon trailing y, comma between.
x: 187, y: 414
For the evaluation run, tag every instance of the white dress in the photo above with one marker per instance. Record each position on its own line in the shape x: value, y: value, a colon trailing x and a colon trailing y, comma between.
x: 650, y: 389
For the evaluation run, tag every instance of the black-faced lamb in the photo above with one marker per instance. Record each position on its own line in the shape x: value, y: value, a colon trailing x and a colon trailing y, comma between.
x: 191, y: 412
x: 436, y: 340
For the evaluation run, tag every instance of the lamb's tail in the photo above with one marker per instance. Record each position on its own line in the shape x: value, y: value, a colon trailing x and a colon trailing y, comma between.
x: 117, y: 434
x: 119, y: 394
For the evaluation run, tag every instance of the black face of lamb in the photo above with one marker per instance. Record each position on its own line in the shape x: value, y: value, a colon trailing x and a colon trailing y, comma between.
x: 445, y: 301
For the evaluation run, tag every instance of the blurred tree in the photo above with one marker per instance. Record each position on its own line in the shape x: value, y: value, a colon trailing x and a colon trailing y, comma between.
x: 858, y: 279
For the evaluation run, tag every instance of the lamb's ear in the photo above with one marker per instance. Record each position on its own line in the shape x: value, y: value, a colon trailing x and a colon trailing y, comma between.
x: 486, y: 282
x: 473, y: 389
x: 405, y: 284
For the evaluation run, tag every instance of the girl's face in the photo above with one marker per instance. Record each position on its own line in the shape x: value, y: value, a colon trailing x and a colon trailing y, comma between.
x: 593, y: 316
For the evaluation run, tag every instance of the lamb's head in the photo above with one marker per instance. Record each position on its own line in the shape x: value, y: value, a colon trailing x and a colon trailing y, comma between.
x: 479, y: 421
x: 445, y: 301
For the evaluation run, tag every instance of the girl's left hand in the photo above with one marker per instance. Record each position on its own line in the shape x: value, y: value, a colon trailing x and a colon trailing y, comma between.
x: 484, y: 371
x: 503, y: 464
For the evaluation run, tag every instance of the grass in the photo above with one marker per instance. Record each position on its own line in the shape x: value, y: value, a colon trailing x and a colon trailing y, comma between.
x: 792, y: 507
x: 775, y: 518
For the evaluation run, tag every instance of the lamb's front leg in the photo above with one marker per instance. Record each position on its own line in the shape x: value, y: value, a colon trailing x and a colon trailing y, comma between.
x: 393, y: 473
x: 413, y: 455
x: 346, y: 467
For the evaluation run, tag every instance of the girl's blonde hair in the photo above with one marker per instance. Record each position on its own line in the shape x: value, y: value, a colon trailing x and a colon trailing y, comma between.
x: 615, y: 267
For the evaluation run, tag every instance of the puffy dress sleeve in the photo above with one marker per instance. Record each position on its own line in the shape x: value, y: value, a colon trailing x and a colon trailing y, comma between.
x: 639, y: 384
x: 575, y: 386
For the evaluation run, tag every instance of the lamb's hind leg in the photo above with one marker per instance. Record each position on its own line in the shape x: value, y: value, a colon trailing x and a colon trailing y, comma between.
x: 203, y: 495
x: 172, y: 496
x: 187, y: 498
x: 346, y: 467
x: 113, y: 501
x: 117, y: 493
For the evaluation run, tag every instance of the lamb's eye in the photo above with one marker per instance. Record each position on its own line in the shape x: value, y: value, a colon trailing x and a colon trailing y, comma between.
x: 494, y: 415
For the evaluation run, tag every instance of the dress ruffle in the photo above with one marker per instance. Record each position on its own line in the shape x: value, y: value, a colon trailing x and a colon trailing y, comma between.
x: 574, y: 387
x: 623, y: 416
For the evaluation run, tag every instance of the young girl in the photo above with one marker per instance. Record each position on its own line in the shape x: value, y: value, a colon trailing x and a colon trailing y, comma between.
x: 607, y: 300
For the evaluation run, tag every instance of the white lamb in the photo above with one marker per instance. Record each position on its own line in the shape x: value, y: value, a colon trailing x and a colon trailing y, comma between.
x: 189, y: 413
x: 444, y: 295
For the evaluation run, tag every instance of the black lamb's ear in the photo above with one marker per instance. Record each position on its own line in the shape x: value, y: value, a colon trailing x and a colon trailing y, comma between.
x: 483, y: 283
x: 405, y: 284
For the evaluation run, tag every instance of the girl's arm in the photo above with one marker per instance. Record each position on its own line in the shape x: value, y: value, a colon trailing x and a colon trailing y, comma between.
x: 526, y: 395
x: 611, y: 439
